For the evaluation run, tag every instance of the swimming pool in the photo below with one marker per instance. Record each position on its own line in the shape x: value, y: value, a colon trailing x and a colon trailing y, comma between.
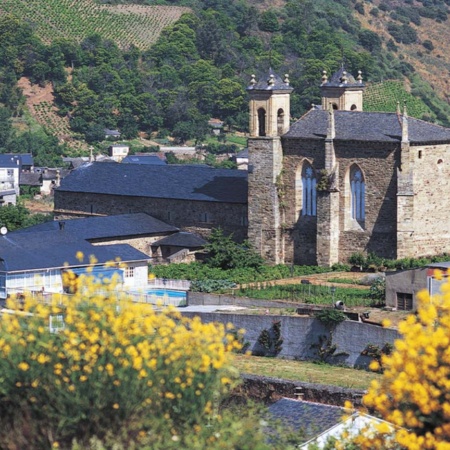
x: 160, y: 297
x: 169, y: 292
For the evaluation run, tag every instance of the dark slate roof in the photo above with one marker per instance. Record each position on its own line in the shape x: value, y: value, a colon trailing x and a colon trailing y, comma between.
x: 336, y: 79
x: 242, y: 153
x: 148, y: 159
x: 9, y: 160
x: 30, y: 179
x: 366, y: 126
x: 440, y: 265
x: 262, y: 83
x: 312, y: 418
x: 182, y: 239
x: 42, y: 250
x: 123, y: 225
x: 185, y: 182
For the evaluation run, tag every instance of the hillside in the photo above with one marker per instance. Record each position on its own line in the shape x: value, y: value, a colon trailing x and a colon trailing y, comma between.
x: 169, y: 77
x: 126, y: 25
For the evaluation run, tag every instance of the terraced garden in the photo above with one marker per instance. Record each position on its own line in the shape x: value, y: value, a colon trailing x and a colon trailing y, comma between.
x: 76, y: 19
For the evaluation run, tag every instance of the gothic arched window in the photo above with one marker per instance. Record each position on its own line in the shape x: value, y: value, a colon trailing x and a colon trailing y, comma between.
x: 358, y: 191
x: 261, y: 122
x: 309, y: 191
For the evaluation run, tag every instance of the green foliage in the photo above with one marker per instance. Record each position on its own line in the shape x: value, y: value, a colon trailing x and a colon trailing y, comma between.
x: 212, y: 285
x: 326, y: 349
x: 330, y: 317
x: 226, y: 254
x: 270, y: 341
x: 17, y: 216
x: 268, y: 21
x: 378, y: 290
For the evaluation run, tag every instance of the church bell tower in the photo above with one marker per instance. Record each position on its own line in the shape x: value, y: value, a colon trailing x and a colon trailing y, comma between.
x: 269, y: 106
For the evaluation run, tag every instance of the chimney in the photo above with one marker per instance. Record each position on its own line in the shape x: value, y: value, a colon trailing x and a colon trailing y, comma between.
x: 61, y: 225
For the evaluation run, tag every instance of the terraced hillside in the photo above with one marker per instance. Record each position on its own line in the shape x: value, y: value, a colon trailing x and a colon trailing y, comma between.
x: 385, y: 95
x: 75, y: 19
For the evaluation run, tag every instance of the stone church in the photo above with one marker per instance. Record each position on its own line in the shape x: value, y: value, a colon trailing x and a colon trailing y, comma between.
x: 340, y: 180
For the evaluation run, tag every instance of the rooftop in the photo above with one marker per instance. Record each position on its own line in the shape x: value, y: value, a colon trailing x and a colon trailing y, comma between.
x: 184, y: 182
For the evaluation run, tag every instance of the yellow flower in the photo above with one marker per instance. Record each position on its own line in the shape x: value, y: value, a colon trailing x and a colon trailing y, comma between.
x: 23, y: 366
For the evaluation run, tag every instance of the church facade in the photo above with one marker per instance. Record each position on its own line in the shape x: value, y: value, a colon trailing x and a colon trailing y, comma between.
x: 340, y: 180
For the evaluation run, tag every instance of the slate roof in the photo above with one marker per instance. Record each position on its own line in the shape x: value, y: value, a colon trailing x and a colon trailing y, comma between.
x: 366, y: 126
x: 123, y: 225
x: 312, y: 418
x: 148, y: 159
x: 182, y: 239
x: 30, y: 179
x: 184, y: 182
x: 46, y: 250
x: 262, y: 83
x: 9, y: 160
x: 336, y: 79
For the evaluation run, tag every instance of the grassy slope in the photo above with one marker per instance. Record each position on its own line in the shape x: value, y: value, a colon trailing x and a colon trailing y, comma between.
x: 74, y: 20
x: 305, y: 371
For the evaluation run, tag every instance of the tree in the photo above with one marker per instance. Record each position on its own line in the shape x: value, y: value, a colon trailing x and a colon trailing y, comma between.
x: 414, y: 392
x: 226, y: 254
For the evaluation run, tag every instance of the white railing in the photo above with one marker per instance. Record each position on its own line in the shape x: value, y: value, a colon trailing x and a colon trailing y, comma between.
x: 165, y: 283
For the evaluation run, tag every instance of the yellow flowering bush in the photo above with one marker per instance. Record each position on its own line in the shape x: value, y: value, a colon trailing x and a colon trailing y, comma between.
x: 414, y: 393
x: 95, y: 364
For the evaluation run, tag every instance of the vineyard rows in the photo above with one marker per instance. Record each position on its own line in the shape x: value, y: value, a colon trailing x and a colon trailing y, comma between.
x: 384, y: 97
x: 76, y: 19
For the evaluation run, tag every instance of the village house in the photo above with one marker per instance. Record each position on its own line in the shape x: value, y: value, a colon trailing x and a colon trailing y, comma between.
x: 36, y: 262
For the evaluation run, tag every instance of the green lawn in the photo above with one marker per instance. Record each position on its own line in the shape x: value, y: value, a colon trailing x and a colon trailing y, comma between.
x: 305, y: 371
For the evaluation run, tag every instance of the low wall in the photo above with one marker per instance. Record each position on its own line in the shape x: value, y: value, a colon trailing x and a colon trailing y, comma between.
x: 301, y: 334
x: 203, y: 299
x: 269, y: 390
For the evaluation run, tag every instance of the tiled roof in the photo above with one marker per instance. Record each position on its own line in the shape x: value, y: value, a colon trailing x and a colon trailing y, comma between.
x: 337, y: 79
x: 185, y: 182
x: 42, y: 250
x: 123, y: 225
x: 181, y: 239
x: 366, y: 126
x: 311, y: 418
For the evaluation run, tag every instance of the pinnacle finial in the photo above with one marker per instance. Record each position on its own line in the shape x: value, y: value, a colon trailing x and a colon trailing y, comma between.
x: 344, y: 78
x: 253, y: 79
x: 398, y: 108
x: 286, y: 79
x: 271, y: 80
x: 324, y: 77
x: 359, y: 77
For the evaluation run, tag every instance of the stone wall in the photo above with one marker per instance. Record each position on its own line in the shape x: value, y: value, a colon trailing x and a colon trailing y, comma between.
x: 430, y: 233
x: 378, y: 233
x: 300, y: 334
x: 269, y: 390
x: 194, y: 216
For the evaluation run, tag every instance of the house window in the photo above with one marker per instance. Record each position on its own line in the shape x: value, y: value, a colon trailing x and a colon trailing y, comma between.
x: 358, y: 191
x: 205, y: 218
x: 404, y: 301
x: 129, y: 272
x: 280, y: 122
x: 169, y: 215
x: 9, y: 172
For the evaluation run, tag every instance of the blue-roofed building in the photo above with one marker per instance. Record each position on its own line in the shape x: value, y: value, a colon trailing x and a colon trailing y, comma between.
x: 193, y: 198
x: 35, y: 261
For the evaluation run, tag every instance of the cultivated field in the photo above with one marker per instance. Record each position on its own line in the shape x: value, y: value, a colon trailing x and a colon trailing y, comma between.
x: 76, y: 19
